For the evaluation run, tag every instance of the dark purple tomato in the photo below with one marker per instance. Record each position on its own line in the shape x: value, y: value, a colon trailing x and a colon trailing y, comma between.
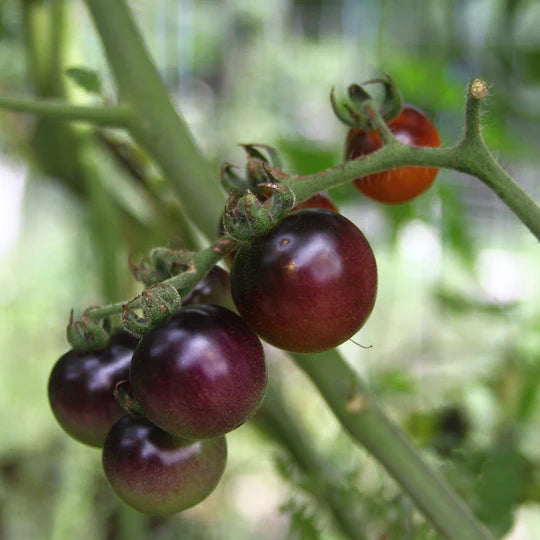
x: 81, y: 389
x: 157, y: 473
x: 410, y: 126
x: 307, y: 285
x: 215, y: 288
x: 199, y: 374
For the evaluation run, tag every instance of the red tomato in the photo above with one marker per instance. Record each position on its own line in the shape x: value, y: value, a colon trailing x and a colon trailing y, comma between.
x: 307, y: 285
x: 411, y: 126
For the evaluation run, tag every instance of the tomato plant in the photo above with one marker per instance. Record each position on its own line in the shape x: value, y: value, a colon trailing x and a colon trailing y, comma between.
x: 200, y: 373
x: 401, y: 184
x: 81, y: 388
x: 157, y: 473
x: 307, y: 285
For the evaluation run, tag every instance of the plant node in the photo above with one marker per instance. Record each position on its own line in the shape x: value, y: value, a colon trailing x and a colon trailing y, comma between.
x: 479, y: 89
x: 150, y: 307
x: 248, y: 215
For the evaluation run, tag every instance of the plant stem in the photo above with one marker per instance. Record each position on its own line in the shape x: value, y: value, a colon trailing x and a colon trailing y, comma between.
x: 197, y: 265
x: 470, y: 155
x: 158, y: 127
x: 37, y: 45
x: 473, y: 159
x: 356, y: 409
x: 114, y: 116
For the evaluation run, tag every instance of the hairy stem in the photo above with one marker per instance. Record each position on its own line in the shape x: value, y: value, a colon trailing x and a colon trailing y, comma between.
x: 469, y: 158
x: 470, y: 155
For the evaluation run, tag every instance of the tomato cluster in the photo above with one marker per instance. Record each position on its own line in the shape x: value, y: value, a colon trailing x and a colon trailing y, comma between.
x: 196, y: 376
x: 307, y: 285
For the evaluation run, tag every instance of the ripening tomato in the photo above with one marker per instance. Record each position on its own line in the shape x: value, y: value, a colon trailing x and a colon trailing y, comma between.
x: 157, y: 473
x: 199, y: 374
x: 307, y: 285
x: 81, y: 388
x: 411, y: 126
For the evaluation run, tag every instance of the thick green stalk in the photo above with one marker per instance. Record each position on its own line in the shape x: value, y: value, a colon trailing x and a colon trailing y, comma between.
x: 275, y: 419
x: 156, y: 124
x: 38, y: 45
x: 356, y: 409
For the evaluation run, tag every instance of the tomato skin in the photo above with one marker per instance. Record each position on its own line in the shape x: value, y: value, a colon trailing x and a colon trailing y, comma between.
x: 157, y: 473
x: 319, y: 200
x: 400, y: 185
x: 81, y: 388
x: 309, y: 284
x: 199, y: 374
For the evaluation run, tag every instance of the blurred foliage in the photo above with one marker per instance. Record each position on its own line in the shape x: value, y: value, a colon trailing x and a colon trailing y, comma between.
x: 456, y: 355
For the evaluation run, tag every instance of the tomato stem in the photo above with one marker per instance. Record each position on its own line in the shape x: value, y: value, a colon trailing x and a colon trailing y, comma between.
x: 469, y: 155
x: 111, y: 115
x: 195, y: 266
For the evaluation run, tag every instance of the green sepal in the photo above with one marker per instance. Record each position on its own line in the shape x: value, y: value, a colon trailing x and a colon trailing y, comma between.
x: 152, y: 306
x: 86, y: 334
x: 122, y: 394
x: 230, y: 179
x: 392, y: 103
x: 259, y: 155
x: 247, y: 217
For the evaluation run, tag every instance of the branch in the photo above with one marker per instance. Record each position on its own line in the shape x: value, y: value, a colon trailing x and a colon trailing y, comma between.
x: 276, y: 420
x: 470, y: 155
x: 112, y: 116
x: 475, y: 160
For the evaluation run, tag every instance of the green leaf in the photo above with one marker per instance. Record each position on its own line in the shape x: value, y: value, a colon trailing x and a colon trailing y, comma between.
x: 502, y: 483
x: 85, y: 78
